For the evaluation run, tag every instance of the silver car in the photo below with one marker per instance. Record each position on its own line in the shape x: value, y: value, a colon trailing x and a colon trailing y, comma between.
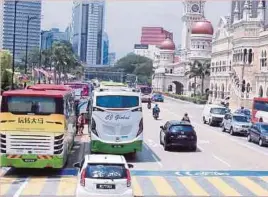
x: 236, y: 123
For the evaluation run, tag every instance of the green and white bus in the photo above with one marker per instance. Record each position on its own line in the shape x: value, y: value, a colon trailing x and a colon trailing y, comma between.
x: 116, y: 121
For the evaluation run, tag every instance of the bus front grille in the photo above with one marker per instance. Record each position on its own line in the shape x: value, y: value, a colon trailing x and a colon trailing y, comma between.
x: 29, y: 144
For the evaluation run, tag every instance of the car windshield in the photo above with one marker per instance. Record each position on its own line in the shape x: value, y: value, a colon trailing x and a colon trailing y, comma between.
x: 264, y: 128
x: 177, y: 128
x: 220, y: 111
x: 106, y: 171
x: 240, y: 118
x: 117, y: 101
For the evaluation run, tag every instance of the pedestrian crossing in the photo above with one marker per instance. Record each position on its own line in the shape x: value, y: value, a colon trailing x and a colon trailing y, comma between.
x: 143, y: 186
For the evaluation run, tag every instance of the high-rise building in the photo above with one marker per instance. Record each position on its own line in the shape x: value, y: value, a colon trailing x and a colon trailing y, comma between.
x: 111, y: 59
x: 68, y: 32
x: 105, y: 40
x: 1, y: 23
x: 88, y: 25
x: 25, y: 8
x: 49, y: 37
x: 154, y: 35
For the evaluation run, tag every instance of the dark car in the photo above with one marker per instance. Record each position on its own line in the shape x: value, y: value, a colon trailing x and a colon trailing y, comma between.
x: 158, y: 98
x: 178, y: 134
x: 259, y: 133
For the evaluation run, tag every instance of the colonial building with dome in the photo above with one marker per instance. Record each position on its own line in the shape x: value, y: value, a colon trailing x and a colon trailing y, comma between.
x: 239, y: 69
x: 196, y: 42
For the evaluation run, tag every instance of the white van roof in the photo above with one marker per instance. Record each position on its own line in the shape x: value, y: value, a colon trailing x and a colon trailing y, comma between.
x: 112, y: 159
x: 214, y: 106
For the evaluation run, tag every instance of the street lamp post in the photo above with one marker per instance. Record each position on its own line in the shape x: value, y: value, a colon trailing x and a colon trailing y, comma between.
x: 27, y: 36
x: 14, y: 46
x: 40, y: 57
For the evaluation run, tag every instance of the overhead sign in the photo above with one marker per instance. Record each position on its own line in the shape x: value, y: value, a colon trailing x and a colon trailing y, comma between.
x: 141, y: 46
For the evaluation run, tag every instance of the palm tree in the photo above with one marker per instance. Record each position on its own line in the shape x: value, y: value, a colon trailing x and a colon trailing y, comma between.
x: 193, y: 73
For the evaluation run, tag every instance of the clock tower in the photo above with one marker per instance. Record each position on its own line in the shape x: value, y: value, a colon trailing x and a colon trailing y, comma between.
x: 193, y: 11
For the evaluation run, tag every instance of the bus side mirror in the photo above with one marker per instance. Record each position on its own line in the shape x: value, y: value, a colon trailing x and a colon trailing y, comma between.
x: 130, y: 165
x: 77, y: 165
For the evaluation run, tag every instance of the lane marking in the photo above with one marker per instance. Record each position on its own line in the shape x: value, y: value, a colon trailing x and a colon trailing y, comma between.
x: 18, y: 193
x: 222, y: 186
x: 192, y: 186
x: 221, y: 160
x: 252, y: 186
x: 67, y: 186
x: 162, y: 186
x: 34, y: 186
x: 5, y: 184
x: 158, y: 162
x: 136, y: 187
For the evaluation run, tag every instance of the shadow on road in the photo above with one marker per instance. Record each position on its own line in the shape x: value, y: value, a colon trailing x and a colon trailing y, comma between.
x: 183, y: 149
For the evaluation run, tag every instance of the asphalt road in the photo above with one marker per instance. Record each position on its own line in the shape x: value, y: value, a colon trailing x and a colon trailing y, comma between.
x: 164, y: 173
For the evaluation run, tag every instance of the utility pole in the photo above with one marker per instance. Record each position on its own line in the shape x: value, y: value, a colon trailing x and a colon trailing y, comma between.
x: 40, y: 57
x: 14, y: 44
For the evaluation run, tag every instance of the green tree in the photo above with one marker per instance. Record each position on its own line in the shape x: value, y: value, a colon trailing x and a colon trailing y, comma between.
x: 5, y: 60
x: 199, y: 69
x: 138, y: 65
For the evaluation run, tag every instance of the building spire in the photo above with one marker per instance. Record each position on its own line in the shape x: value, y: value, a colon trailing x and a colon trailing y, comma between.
x: 236, y: 11
x: 260, y: 5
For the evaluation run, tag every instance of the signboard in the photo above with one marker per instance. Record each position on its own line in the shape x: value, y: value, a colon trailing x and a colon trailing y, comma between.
x: 141, y: 46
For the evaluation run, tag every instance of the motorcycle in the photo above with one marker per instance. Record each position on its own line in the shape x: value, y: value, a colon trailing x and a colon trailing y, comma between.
x: 149, y: 105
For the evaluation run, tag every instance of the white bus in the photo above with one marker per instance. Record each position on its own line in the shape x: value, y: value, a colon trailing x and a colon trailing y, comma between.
x: 116, y: 122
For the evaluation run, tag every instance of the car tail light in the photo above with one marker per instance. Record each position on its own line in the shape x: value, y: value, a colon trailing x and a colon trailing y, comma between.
x: 140, y: 128
x: 128, y: 178
x: 83, y: 178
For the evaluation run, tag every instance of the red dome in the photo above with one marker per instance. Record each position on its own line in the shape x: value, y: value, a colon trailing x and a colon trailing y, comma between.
x: 167, y: 44
x: 202, y: 27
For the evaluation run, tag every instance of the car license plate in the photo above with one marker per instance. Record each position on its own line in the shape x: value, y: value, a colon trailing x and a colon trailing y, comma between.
x: 105, y: 186
x: 181, y: 136
x: 29, y: 160
x: 117, y: 146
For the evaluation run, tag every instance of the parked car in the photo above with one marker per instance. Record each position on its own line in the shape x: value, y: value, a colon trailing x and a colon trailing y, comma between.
x: 104, y: 175
x: 246, y: 112
x: 158, y: 98
x: 213, y: 114
x: 178, y: 134
x: 259, y: 133
x: 236, y: 123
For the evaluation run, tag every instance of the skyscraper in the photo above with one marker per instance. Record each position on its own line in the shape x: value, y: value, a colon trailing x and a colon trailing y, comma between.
x: 88, y: 25
x: 49, y: 37
x: 24, y: 9
x: 105, y: 40
x: 1, y: 23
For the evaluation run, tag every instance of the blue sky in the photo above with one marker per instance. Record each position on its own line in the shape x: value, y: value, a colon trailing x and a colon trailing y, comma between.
x: 123, y: 20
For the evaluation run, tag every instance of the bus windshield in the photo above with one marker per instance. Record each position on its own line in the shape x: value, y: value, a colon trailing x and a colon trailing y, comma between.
x: 146, y: 90
x: 261, y: 105
x: 117, y: 101
x: 31, y: 105
x: 80, y: 89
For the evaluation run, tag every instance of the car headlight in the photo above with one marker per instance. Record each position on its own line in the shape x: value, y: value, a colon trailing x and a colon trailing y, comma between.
x: 237, y: 126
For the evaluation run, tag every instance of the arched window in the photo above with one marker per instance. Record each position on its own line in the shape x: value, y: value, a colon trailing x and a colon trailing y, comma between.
x: 250, y: 56
x: 245, y: 55
x: 260, y: 91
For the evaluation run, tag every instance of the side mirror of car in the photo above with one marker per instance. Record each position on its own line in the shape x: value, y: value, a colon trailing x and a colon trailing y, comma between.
x: 76, y: 165
x: 161, y: 127
x: 130, y: 165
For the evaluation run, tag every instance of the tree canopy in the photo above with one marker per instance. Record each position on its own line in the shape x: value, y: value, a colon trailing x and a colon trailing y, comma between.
x: 5, y: 60
x: 138, y: 65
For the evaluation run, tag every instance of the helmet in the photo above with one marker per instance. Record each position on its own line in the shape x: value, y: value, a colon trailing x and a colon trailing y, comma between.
x: 156, y: 105
x: 185, y: 114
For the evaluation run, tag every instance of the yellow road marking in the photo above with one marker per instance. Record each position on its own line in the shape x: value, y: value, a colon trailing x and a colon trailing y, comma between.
x: 34, y: 186
x: 5, y: 184
x: 136, y: 187
x: 67, y: 186
x: 162, y: 186
x: 222, y: 186
x: 192, y: 186
x: 252, y: 186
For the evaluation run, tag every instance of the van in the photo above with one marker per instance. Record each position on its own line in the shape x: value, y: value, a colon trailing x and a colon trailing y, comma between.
x: 213, y: 114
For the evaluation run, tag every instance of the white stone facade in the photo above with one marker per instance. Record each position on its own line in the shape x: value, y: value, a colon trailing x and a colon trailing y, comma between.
x: 239, y: 59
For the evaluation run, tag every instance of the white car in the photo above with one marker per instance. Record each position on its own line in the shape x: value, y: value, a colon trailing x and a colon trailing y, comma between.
x: 104, y: 175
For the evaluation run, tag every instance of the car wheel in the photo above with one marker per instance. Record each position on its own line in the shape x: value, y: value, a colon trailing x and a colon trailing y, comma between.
x: 231, y: 131
x: 204, y: 120
x: 249, y: 138
x: 165, y: 145
x: 210, y: 122
x: 160, y: 139
x: 223, y: 128
x: 193, y: 148
x: 260, y: 142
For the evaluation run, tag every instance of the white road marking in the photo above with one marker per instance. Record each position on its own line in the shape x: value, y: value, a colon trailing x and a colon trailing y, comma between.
x: 18, y: 193
x: 221, y: 160
x: 203, y: 142
x: 200, y: 148
x: 158, y: 162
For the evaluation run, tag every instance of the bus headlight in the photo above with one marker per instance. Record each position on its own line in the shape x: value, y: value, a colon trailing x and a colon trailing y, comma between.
x: 140, y: 128
x: 93, y: 127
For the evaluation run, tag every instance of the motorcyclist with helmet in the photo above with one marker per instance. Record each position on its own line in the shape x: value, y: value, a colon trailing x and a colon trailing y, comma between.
x: 156, y: 109
x: 186, y: 118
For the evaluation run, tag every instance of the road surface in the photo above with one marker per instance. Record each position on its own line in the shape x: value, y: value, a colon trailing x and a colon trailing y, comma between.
x: 223, y: 165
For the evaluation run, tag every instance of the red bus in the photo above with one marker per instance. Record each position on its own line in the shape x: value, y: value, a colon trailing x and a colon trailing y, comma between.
x: 81, y: 89
x: 49, y: 87
x: 260, y: 109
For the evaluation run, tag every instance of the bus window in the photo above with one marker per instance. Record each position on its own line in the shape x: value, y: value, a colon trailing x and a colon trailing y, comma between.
x: 261, y: 106
x: 117, y: 101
